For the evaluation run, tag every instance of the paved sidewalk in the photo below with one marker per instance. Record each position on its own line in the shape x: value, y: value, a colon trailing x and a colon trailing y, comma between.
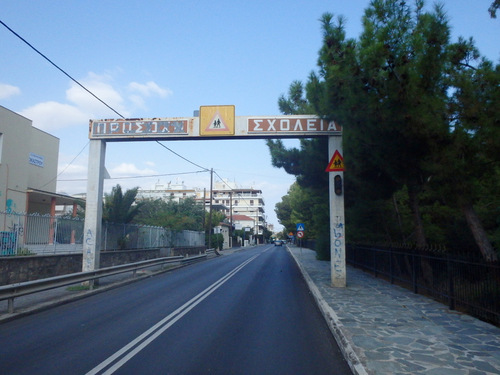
x: 386, y: 329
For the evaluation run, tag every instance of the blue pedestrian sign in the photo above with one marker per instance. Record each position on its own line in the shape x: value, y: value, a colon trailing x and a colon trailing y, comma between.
x: 301, y: 227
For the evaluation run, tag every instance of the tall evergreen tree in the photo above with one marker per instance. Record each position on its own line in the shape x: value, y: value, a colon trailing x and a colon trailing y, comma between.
x: 473, y: 156
x: 411, y: 105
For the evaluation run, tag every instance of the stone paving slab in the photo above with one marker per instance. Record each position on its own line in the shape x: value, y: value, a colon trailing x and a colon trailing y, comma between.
x: 386, y: 329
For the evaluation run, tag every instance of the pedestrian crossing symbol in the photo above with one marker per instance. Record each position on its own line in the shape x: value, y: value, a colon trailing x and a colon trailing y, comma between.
x: 336, y: 163
x: 217, y: 120
x: 301, y: 227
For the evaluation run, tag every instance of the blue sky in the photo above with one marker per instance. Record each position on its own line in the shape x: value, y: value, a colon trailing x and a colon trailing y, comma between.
x: 166, y: 59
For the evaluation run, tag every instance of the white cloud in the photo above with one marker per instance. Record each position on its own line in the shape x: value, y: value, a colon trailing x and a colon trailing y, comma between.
x: 82, y: 106
x: 149, y: 89
x: 101, y: 86
x: 129, y: 169
x: 50, y: 116
x: 138, y: 101
x: 6, y: 91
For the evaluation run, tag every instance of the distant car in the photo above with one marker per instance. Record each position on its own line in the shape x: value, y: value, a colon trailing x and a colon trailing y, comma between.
x: 278, y: 243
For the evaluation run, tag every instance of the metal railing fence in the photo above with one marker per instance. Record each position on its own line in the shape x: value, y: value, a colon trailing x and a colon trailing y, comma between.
x: 463, y: 282
x: 10, y: 292
x: 29, y: 234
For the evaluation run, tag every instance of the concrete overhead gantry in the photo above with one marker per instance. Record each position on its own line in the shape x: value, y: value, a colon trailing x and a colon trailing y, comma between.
x: 214, y: 122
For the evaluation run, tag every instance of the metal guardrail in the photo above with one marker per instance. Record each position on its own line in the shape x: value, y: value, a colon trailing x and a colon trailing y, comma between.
x: 12, y: 291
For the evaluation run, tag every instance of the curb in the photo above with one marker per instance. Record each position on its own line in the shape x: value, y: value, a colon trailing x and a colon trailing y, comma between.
x: 333, y: 323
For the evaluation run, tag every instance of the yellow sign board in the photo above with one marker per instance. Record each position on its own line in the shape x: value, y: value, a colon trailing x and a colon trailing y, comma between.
x: 217, y: 120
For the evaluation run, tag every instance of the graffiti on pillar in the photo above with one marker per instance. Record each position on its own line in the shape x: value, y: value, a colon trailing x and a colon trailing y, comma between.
x: 338, y: 246
x: 89, y: 241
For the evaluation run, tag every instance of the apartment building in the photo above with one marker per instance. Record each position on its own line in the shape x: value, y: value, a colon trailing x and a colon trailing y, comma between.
x: 171, y: 191
x: 247, y: 202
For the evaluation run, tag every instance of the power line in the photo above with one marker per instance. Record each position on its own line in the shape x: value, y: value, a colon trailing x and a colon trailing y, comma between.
x: 96, y: 97
x: 132, y: 177
x: 60, y: 69
x: 224, y: 182
x: 71, y: 162
x: 182, y: 157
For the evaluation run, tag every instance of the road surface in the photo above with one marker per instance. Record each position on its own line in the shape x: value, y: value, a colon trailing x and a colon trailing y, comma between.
x: 246, y: 313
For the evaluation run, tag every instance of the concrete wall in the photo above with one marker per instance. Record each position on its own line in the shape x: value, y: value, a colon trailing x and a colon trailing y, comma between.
x: 14, y: 130
x: 46, y: 145
x: 25, y: 268
x: 18, y: 138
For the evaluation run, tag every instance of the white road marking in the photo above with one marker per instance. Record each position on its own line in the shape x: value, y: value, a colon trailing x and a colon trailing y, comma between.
x: 126, y: 353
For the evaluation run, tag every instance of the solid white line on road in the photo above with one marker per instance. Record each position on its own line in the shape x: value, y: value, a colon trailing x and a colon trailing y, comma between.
x: 135, y: 346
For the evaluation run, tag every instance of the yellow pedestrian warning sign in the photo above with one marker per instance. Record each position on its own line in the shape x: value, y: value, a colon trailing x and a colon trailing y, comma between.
x: 217, y: 120
x: 336, y: 163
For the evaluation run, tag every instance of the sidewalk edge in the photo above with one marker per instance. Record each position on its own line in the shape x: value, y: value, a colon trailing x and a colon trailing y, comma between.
x: 333, y: 323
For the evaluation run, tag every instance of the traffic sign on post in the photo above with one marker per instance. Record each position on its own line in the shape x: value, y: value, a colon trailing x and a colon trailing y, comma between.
x: 336, y: 163
x: 301, y: 227
x: 300, y: 234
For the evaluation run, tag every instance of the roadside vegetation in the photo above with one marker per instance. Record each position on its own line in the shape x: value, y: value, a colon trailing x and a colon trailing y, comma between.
x: 421, y: 134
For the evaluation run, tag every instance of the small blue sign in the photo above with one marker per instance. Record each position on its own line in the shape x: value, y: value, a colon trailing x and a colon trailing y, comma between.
x: 301, y: 227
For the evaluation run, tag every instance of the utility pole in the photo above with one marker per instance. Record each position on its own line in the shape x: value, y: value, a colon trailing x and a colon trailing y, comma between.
x: 231, y: 219
x: 204, y: 208
x: 210, y: 212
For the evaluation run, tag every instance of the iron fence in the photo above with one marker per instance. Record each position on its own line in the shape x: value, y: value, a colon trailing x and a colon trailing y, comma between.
x: 463, y: 282
x: 29, y: 234
x: 132, y: 236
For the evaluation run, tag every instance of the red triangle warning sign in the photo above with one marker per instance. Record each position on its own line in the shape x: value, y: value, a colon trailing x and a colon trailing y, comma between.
x: 336, y: 163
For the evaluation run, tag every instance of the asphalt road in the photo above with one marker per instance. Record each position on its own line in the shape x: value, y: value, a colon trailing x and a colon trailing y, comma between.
x: 245, y: 313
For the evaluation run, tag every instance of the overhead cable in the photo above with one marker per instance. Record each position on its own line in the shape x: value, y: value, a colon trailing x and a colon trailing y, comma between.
x: 182, y: 157
x: 131, y: 177
x: 60, y: 69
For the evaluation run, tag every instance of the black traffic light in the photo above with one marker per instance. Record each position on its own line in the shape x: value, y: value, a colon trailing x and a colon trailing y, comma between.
x: 337, y: 181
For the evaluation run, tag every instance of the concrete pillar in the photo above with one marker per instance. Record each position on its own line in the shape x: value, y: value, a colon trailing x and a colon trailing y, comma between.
x: 337, y: 222
x: 93, y: 206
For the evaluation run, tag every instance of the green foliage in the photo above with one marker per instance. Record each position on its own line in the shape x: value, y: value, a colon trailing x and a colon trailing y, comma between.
x: 267, y: 235
x: 495, y: 5
x: 186, y: 214
x: 119, y: 207
x: 22, y: 252
x: 421, y: 134
x: 323, y: 247
x: 217, y: 218
x: 216, y: 241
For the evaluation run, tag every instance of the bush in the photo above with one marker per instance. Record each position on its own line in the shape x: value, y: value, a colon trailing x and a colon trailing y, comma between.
x: 323, y: 247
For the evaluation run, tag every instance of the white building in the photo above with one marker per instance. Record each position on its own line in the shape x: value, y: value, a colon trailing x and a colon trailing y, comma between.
x: 242, y: 201
x: 176, y: 192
